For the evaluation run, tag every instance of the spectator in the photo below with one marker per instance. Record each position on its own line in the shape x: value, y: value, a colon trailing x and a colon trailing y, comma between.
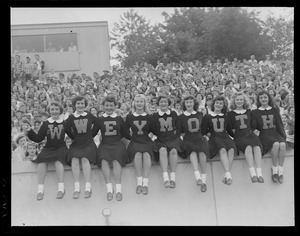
x: 72, y: 47
x: 51, y: 48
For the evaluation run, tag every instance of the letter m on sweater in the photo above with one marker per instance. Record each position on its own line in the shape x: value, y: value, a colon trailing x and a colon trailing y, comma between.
x: 165, y: 125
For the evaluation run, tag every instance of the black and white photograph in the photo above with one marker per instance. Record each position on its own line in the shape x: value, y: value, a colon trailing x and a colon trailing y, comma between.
x: 152, y: 116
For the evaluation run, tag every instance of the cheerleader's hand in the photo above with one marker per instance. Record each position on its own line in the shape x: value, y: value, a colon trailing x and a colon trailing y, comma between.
x: 256, y: 132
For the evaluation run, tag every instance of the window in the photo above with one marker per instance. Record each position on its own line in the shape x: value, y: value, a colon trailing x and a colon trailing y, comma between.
x: 28, y: 44
x: 35, y: 43
x: 61, y: 42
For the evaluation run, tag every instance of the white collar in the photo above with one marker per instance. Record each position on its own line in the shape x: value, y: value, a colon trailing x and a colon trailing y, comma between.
x: 267, y: 108
x: 161, y: 113
x: 59, y: 120
x: 240, y: 111
x: 113, y: 115
x: 188, y: 114
x: 136, y: 114
x: 77, y: 115
x: 215, y: 114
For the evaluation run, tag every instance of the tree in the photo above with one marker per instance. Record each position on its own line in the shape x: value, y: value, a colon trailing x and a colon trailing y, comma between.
x: 134, y: 38
x: 281, y: 31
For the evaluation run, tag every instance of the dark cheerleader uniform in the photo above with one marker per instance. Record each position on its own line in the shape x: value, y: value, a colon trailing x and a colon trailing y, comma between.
x: 55, y: 148
x: 140, y: 141
x: 217, y: 125
x: 111, y: 148
x: 270, y: 126
x: 240, y: 121
x: 83, y: 144
x: 164, y: 127
x: 193, y: 141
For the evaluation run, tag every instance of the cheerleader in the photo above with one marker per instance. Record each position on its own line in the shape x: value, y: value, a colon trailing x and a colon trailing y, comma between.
x: 111, y: 151
x: 55, y: 150
x: 267, y: 120
x: 140, y: 148
x: 220, y: 142
x: 83, y: 147
x: 167, y: 144
x: 194, y: 144
x: 245, y: 140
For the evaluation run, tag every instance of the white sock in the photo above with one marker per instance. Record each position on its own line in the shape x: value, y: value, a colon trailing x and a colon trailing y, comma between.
x: 61, y: 187
x: 275, y: 169
x: 109, y: 188
x: 258, y: 171
x: 252, y: 171
x: 77, y: 187
x: 88, y: 186
x: 203, y: 177
x: 228, y: 175
x: 118, y: 188
x: 197, y: 174
x: 140, y: 180
x: 40, y: 188
x: 280, y: 170
x: 166, y: 176
x: 172, y: 176
x: 145, y: 182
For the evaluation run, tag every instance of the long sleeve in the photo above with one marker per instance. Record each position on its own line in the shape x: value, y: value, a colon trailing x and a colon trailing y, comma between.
x: 253, y: 123
x: 96, y: 127
x: 204, y: 125
x: 279, y: 124
x: 125, y: 129
x: 68, y: 129
x: 40, y: 136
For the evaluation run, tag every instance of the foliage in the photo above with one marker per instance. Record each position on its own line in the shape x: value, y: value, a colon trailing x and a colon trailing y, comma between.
x: 200, y: 33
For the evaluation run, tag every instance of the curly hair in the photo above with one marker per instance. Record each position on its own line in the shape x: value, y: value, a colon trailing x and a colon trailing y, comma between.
x: 196, y: 103
x: 220, y: 98
x: 246, y: 105
x: 79, y: 98
x: 269, y: 98
x: 110, y: 98
x: 142, y: 96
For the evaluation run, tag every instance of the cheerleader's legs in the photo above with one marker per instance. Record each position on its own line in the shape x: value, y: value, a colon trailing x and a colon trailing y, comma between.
x: 173, y: 164
x: 75, y: 169
x: 163, y: 160
x: 86, y: 169
x: 224, y: 159
x: 41, y: 171
x: 275, y: 153
x: 146, y: 164
x: 282, y: 152
x: 59, y: 168
x: 106, y: 171
x: 230, y: 155
x: 173, y: 159
x: 249, y: 158
x: 117, y: 170
x: 138, y: 163
x: 226, y: 165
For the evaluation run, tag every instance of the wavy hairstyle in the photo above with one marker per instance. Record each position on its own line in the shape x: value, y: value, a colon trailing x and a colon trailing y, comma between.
x: 271, y: 103
x: 246, y: 105
x: 142, y: 96
x: 57, y: 104
x: 79, y: 98
x: 220, y: 98
x: 196, y: 103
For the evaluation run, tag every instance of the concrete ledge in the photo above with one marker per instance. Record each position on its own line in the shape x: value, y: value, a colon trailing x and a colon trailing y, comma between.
x: 29, y: 167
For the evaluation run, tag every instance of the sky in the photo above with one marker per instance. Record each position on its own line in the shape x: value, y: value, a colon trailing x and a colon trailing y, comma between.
x: 111, y: 15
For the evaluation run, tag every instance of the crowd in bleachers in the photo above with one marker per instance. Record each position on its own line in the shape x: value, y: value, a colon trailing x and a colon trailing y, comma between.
x: 32, y: 89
